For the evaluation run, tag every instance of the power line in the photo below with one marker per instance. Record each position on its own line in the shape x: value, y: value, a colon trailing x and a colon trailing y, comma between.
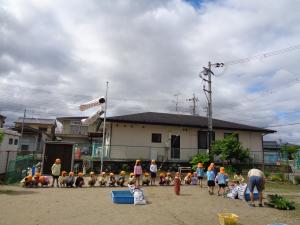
x: 284, y: 125
x: 263, y: 55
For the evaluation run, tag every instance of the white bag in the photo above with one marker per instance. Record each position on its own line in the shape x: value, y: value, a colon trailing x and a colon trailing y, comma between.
x: 234, y: 193
x: 139, y: 198
x: 241, y: 191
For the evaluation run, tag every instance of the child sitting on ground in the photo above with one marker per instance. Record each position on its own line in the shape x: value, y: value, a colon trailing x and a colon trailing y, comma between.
x: 131, y: 179
x: 62, y: 180
x: 162, y: 179
x: 188, y: 178
x: 200, y: 173
x: 146, y: 179
x: 194, y: 179
x: 92, y: 179
x: 221, y: 181
x: 238, y: 177
x: 36, y: 179
x: 102, y: 179
x: 169, y: 179
x: 44, y: 181
x: 121, y: 179
x: 27, y: 181
x: 210, y: 180
x: 79, y: 180
x: 70, y: 180
x: 112, y: 180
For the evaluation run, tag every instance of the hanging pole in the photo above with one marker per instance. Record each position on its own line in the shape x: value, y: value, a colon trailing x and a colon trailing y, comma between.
x: 104, y: 124
x: 210, y: 124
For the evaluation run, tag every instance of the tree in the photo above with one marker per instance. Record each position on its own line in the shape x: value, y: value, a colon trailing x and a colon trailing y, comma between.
x: 199, y: 158
x: 230, y: 148
x: 289, y: 150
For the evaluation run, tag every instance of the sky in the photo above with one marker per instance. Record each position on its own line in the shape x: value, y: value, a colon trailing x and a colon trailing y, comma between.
x: 55, y: 55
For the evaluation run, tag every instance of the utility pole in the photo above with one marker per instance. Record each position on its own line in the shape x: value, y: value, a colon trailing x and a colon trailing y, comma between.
x: 207, y: 72
x: 104, y: 123
x: 194, y: 100
x: 22, y: 128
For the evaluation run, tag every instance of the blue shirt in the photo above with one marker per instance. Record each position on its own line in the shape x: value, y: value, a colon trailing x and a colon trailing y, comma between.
x: 221, y: 178
x: 200, y: 172
x: 210, y: 175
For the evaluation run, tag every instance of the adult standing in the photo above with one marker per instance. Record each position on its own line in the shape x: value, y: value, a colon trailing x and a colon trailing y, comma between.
x: 55, y: 170
x: 256, y: 178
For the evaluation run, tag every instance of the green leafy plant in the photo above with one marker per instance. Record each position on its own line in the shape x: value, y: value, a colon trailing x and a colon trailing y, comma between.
x: 280, y: 202
x: 277, y: 177
x: 199, y: 158
x: 289, y: 150
x: 230, y: 148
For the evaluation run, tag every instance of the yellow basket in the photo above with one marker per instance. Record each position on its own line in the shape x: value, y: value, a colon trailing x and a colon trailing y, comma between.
x: 228, y: 218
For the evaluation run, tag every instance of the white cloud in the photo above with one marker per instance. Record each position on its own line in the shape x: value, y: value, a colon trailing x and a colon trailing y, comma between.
x: 57, y: 54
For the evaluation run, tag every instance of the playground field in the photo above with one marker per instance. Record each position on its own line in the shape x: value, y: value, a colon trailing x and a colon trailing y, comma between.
x: 93, y: 206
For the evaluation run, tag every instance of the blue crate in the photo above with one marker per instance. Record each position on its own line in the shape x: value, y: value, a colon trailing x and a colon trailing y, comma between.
x: 277, y: 224
x: 122, y: 197
x: 255, y: 194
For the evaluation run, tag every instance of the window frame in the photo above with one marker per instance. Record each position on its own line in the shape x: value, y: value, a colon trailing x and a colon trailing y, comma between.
x: 156, y: 138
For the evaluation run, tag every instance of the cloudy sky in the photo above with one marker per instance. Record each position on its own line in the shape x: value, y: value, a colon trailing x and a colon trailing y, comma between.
x: 55, y: 55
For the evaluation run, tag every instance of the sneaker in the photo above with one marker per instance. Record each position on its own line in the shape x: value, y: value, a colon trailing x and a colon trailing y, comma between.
x: 251, y: 204
x: 260, y: 205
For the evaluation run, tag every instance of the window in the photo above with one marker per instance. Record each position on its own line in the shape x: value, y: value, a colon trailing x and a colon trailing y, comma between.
x: 203, y: 139
x: 156, y: 138
x: 235, y: 134
x: 10, y: 141
x: 16, y: 141
x: 25, y: 147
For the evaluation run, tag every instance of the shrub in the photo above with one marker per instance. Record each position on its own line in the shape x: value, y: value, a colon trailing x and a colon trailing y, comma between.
x: 201, y: 157
x: 277, y: 177
x: 280, y: 202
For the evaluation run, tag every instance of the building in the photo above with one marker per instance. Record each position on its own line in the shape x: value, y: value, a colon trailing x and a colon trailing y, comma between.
x: 271, y: 152
x: 2, y: 120
x: 8, y: 148
x: 35, y: 132
x: 160, y: 136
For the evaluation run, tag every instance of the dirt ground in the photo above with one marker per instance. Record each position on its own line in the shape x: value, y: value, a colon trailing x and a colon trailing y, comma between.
x: 93, y: 206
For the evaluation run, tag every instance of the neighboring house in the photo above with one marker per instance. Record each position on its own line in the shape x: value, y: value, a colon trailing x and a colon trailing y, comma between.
x: 8, y: 148
x: 35, y: 132
x: 2, y: 120
x: 86, y: 142
x: 160, y: 136
x: 271, y: 152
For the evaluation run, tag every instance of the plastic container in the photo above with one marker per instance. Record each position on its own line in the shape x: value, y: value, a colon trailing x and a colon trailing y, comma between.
x: 277, y: 224
x: 255, y: 194
x: 228, y: 218
x: 122, y: 197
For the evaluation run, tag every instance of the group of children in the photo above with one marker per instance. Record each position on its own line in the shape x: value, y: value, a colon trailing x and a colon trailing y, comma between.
x: 136, y: 178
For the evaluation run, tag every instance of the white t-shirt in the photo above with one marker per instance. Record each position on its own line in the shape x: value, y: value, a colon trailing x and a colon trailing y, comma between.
x: 153, y: 168
x: 255, y: 172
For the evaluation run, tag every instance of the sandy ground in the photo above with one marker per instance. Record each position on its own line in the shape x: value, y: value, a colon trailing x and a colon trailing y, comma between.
x: 93, y: 206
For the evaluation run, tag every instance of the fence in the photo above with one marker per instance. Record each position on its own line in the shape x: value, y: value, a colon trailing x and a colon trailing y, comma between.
x: 17, y: 166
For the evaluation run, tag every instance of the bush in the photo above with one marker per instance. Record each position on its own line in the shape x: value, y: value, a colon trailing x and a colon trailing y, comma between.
x: 280, y: 202
x: 267, y: 174
x: 277, y: 177
x: 199, y: 158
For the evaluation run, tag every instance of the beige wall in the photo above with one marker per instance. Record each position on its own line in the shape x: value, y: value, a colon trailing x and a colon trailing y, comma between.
x: 125, y: 136
x: 131, y: 141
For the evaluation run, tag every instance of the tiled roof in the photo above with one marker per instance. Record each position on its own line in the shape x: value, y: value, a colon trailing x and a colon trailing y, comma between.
x: 36, y: 121
x: 183, y: 120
